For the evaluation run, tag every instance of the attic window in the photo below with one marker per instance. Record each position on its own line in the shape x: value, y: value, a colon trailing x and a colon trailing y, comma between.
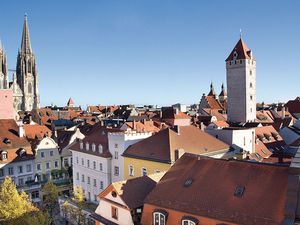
x: 100, y: 148
x: 188, y: 182
x: 7, y: 141
x: 93, y: 147
x: 81, y: 145
x: 87, y: 146
x: 239, y: 191
x: 114, y: 194
x: 4, y: 155
x: 22, y: 152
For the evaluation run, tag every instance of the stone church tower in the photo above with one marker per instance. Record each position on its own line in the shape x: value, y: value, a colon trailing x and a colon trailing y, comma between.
x: 3, y: 69
x: 26, y: 74
x: 241, y: 84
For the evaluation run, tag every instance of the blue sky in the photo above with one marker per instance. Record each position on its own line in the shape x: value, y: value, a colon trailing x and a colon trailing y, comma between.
x: 154, y: 51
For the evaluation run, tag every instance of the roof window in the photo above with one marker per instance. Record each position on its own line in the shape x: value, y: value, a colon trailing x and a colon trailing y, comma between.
x: 188, y: 182
x: 239, y: 191
x: 7, y: 141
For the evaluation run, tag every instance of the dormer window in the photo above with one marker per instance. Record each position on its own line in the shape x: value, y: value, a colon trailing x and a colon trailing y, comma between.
x: 188, y: 220
x: 93, y: 147
x: 159, y: 217
x: 100, y: 148
x: 7, y: 141
x: 235, y: 55
x: 4, y: 155
x: 87, y: 146
x: 81, y: 144
x: 22, y: 152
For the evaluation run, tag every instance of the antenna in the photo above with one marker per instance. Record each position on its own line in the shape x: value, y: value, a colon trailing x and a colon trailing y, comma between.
x: 240, y: 32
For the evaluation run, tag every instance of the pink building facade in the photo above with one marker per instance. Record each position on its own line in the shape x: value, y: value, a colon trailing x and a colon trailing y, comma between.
x: 6, y: 104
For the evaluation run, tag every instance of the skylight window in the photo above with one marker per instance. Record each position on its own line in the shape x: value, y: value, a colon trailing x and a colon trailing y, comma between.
x: 239, y: 191
x: 188, y: 182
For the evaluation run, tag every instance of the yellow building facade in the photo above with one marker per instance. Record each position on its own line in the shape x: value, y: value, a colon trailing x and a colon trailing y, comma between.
x: 138, y: 167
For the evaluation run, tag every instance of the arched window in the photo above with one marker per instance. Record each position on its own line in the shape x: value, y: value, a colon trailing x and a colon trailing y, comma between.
x: 188, y: 220
x: 87, y: 146
x: 100, y: 148
x: 81, y: 144
x: 4, y: 155
x: 29, y: 66
x: 93, y: 147
x: 29, y: 88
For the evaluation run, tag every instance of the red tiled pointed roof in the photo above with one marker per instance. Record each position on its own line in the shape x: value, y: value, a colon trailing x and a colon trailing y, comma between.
x: 70, y: 102
x: 243, y: 52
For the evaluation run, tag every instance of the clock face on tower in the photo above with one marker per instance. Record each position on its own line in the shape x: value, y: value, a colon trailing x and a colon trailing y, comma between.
x: 235, y: 55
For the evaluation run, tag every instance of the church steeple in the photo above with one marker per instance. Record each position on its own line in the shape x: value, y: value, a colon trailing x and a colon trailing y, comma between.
x: 27, y: 76
x: 212, y: 90
x: 26, y: 45
x: 3, y: 68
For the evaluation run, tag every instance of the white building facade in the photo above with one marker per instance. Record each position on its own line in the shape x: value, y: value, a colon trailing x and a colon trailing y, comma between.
x: 118, y: 142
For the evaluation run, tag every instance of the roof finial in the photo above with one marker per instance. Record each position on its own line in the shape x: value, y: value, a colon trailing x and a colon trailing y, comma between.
x: 25, y: 15
x: 241, y: 33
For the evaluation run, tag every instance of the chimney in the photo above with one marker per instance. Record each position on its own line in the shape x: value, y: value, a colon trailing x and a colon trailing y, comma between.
x: 177, y: 129
x: 176, y: 111
x: 21, y: 131
x: 160, y: 114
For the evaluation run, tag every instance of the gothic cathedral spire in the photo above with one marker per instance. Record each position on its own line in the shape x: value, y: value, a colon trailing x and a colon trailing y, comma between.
x: 27, y: 76
x: 3, y: 68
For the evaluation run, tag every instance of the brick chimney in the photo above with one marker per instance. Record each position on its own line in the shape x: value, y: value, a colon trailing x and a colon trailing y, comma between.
x: 21, y: 131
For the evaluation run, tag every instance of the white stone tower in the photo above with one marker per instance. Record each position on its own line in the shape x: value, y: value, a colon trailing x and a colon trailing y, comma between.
x: 241, y: 84
x: 3, y: 69
x: 27, y: 76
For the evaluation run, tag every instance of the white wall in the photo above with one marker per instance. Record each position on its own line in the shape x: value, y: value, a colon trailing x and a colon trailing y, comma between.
x: 243, y: 138
x: 119, y: 142
x: 124, y: 216
x: 104, y: 175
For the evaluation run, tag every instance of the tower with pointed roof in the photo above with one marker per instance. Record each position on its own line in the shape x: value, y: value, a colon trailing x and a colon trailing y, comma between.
x: 26, y: 74
x: 223, y: 94
x: 3, y: 68
x: 212, y: 90
x: 241, y: 84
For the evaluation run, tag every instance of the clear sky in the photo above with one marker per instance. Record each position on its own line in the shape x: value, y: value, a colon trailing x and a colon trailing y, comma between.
x: 154, y: 51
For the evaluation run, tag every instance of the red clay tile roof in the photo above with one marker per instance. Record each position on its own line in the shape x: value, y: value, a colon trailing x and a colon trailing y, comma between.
x: 134, y: 191
x: 143, y: 126
x: 213, y: 103
x: 36, y: 131
x: 162, y: 145
x: 212, y: 189
x: 243, y: 52
x: 9, y: 130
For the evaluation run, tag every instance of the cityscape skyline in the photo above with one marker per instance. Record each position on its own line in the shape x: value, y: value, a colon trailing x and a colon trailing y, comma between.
x: 160, y: 53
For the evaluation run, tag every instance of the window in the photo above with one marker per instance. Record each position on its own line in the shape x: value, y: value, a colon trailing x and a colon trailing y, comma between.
x: 251, y: 85
x: 77, y: 176
x: 81, y: 145
x: 10, y: 171
x: 88, y: 180
x: 244, y: 141
x: 1, y: 172
x: 94, y: 165
x: 101, y: 184
x: 29, y: 84
x: 28, y: 168
x: 251, y: 97
x: 82, y: 178
x: 131, y: 170
x: 35, y: 194
x: 88, y: 163
x: 250, y: 72
x: 47, y: 165
x: 144, y: 172
x: 38, y: 166
x: 95, y: 198
x: 87, y: 146
x: 20, y: 169
x: 114, y: 212
x: 89, y: 196
x: 66, y: 164
x: 176, y: 155
x: 159, y: 218
x: 95, y: 183
x: 21, y: 181
x: 116, y: 171
x: 239, y: 191
x: 4, y: 155
x: 82, y: 161
x: 42, y: 154
x: 188, y: 220
x: 93, y: 147
x: 100, y: 148
x: 116, y: 145
x: 116, y: 155
x: 55, y: 164
x: 51, y: 153
x: 77, y: 161
x: 100, y: 166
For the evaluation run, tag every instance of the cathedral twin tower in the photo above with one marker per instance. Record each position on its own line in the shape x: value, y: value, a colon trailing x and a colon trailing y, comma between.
x: 25, y: 81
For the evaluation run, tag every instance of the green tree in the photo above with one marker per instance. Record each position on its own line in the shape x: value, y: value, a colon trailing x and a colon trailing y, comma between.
x: 12, y: 204
x: 79, y: 199
x: 32, y: 218
x: 50, y: 197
